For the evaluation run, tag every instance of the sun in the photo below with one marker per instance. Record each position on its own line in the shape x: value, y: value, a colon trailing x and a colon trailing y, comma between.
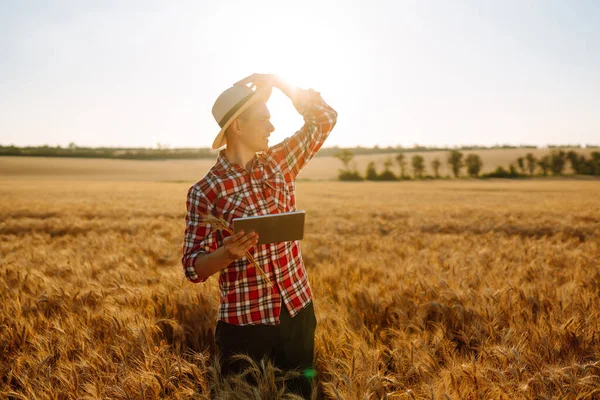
x: 308, y: 53
x: 297, y: 55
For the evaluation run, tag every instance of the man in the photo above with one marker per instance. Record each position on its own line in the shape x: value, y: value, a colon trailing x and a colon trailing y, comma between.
x: 251, y: 178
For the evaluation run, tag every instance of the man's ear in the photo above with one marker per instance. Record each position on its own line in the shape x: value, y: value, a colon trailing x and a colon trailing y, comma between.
x: 233, y: 128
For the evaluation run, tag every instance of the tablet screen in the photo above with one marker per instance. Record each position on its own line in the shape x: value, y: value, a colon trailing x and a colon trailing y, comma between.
x: 273, y: 228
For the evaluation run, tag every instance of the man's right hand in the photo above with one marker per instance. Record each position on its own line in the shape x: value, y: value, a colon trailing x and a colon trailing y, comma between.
x: 236, y: 246
x: 260, y: 81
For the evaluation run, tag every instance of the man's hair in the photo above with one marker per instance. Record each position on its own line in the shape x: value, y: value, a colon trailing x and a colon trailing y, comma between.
x: 228, y: 133
x: 242, y: 117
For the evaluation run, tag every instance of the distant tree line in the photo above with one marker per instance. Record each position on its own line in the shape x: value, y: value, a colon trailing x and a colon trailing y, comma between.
x: 553, y: 163
x: 164, y: 152
x: 358, y: 151
x: 159, y: 153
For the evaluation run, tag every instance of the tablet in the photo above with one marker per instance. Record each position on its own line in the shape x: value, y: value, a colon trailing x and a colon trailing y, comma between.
x: 273, y: 228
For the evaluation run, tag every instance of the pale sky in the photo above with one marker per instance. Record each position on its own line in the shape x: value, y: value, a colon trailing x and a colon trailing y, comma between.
x: 444, y: 73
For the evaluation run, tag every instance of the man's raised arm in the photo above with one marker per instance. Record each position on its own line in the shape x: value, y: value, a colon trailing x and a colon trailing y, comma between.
x: 293, y: 153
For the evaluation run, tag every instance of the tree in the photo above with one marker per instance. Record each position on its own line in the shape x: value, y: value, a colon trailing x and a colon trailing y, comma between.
x: 371, y: 174
x: 531, y: 161
x: 474, y: 164
x: 574, y: 160
x: 345, y: 156
x: 521, y: 164
x: 72, y: 146
x: 347, y: 174
x: 418, y: 164
x: 387, y: 174
x: 578, y: 162
x: 455, y: 161
x: 500, y: 172
x: 401, y: 161
x: 558, y: 160
x: 435, y: 165
x: 544, y: 164
x: 387, y: 164
x: 595, y: 163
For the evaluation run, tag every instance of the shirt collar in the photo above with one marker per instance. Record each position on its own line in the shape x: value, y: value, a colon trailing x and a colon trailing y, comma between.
x: 227, y: 165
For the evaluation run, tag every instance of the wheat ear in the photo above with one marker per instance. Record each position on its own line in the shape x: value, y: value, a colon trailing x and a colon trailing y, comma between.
x: 221, y: 225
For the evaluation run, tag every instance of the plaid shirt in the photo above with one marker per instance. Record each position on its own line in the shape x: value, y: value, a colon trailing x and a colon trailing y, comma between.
x: 230, y: 191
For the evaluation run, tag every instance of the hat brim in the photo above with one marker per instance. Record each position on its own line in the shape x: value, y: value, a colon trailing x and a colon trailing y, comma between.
x: 260, y: 95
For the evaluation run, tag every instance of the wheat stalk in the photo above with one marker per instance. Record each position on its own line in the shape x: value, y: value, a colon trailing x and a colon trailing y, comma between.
x: 221, y: 225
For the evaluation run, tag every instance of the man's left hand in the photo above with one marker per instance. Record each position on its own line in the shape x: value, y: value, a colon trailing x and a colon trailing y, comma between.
x: 268, y: 81
x: 260, y: 81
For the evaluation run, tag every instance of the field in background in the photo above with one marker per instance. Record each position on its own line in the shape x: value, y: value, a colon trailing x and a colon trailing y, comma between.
x: 321, y: 168
x: 463, y: 289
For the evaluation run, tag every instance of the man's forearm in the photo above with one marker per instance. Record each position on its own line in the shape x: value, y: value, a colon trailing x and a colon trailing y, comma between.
x: 211, y: 263
x: 287, y: 89
x: 300, y: 97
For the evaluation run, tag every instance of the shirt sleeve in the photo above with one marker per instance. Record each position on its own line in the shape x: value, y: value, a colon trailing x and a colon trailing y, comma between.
x: 200, y: 238
x: 295, y: 152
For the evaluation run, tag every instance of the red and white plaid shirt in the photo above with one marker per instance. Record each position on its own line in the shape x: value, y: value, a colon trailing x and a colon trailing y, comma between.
x: 230, y: 191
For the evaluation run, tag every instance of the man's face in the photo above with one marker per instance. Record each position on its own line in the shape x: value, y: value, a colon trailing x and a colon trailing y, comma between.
x: 256, y: 127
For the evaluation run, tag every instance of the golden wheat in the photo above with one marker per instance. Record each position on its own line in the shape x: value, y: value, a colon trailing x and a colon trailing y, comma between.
x: 422, y: 290
x: 221, y: 224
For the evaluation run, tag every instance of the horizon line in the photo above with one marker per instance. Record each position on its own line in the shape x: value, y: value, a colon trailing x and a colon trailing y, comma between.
x: 376, y: 146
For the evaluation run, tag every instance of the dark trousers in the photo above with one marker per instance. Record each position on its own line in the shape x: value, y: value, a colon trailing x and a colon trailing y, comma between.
x: 289, y: 345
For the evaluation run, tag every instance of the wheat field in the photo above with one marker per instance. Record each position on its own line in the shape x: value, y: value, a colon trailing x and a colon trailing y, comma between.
x: 423, y: 290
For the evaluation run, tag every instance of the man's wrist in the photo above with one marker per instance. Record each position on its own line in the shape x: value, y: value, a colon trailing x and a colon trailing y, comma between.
x: 285, y: 87
x: 225, y: 257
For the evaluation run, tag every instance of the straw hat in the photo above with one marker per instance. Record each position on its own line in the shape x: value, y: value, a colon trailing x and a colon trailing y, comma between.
x: 233, y: 102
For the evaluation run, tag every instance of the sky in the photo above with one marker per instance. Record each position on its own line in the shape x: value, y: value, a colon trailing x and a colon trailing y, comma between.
x: 433, y: 73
